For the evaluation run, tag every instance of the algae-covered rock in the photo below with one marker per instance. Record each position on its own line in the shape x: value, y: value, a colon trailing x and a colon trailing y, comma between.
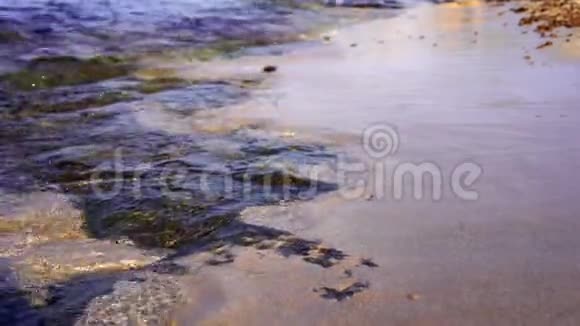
x: 49, y: 72
x: 10, y: 36
x: 32, y: 107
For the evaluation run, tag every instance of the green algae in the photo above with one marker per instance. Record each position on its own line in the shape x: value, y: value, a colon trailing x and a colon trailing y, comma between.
x: 161, y: 84
x: 50, y: 72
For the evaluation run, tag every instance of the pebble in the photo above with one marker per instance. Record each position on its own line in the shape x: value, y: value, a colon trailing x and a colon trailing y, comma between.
x: 270, y: 69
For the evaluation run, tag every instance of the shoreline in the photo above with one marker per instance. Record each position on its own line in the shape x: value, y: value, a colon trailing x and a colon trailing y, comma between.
x: 501, y: 259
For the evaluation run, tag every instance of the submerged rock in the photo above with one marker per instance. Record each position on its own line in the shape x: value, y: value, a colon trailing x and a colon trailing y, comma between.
x: 43, y: 218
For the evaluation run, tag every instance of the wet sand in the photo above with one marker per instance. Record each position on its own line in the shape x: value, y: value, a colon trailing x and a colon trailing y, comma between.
x: 456, y: 83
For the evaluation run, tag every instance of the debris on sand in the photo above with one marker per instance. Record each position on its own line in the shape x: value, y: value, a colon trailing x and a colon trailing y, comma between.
x: 325, y: 257
x: 311, y: 251
x: 545, y: 44
x: 343, y: 293
x: 221, y: 256
x: 519, y: 10
x: 368, y: 263
x: 550, y: 14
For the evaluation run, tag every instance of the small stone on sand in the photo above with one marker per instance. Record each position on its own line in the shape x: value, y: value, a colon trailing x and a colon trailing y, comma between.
x: 413, y: 297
